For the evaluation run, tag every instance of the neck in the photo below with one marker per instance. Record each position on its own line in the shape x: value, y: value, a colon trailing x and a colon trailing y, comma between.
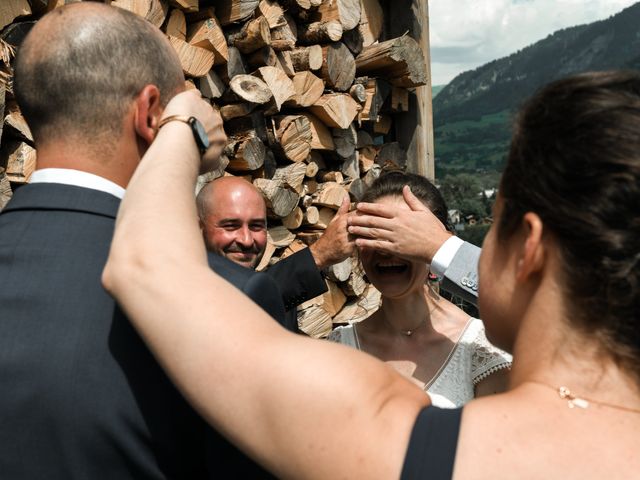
x: 115, y: 162
x: 550, y: 351
x: 407, y: 313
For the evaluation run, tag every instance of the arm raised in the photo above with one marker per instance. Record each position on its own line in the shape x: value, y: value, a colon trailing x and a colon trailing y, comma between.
x: 286, y: 400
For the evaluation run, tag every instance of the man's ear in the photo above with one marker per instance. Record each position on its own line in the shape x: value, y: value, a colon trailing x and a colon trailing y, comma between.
x: 532, y: 256
x: 148, y: 111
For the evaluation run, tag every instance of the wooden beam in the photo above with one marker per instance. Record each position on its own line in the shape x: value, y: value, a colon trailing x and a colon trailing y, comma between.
x: 414, y: 129
x: 399, y: 60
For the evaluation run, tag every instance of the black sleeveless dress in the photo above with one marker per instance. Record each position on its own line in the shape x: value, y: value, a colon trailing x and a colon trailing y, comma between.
x: 432, y: 446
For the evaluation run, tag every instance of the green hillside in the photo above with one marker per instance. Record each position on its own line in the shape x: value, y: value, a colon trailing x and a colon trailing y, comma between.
x: 472, y: 113
x: 473, y: 145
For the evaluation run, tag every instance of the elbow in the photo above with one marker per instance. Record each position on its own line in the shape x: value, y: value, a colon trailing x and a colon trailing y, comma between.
x: 123, y: 265
x: 110, y: 275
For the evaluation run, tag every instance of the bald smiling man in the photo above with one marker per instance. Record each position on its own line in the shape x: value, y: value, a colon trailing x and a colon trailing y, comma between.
x: 233, y: 219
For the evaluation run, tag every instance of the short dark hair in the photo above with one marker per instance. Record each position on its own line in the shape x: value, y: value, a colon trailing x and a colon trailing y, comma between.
x: 391, y: 184
x: 81, y: 78
x: 575, y: 161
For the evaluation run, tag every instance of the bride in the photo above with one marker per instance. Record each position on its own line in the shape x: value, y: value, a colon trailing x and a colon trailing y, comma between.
x: 422, y: 335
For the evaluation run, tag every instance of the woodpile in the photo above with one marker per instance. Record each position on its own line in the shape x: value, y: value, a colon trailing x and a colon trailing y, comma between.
x: 309, y: 91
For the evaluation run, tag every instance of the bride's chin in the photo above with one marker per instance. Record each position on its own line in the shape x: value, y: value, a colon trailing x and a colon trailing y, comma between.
x: 396, y: 291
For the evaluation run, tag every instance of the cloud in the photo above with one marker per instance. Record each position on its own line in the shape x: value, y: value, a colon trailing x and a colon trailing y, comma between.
x: 465, y: 34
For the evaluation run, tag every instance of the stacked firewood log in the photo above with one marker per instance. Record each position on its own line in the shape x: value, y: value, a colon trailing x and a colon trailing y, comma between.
x: 308, y: 90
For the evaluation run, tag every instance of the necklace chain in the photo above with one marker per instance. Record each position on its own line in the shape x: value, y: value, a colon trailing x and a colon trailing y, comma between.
x: 406, y: 333
x: 582, y: 402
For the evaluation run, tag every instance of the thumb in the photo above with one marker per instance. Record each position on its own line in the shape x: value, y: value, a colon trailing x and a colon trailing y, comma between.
x: 413, y: 201
x: 344, y: 208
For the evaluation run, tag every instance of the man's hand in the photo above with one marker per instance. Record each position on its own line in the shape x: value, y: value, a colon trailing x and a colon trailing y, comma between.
x: 335, y: 244
x: 191, y: 103
x: 414, y: 234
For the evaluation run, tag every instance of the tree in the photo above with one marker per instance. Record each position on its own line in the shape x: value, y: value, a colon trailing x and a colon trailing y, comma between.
x: 463, y: 192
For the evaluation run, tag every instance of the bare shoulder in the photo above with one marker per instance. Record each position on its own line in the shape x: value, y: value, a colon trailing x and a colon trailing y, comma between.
x: 516, y: 435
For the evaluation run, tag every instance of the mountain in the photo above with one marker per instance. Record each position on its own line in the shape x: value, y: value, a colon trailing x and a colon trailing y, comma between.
x: 436, y: 89
x: 472, y: 114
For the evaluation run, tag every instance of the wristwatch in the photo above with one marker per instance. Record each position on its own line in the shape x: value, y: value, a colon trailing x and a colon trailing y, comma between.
x: 199, y: 133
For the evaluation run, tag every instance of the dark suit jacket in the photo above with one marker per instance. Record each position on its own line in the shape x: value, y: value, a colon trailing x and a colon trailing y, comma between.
x: 299, y: 280
x: 81, y: 396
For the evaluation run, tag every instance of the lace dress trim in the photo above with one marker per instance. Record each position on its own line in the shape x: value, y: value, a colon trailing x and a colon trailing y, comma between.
x: 471, y: 360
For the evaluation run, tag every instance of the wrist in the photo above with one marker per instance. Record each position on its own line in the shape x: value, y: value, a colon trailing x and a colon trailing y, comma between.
x: 444, y: 255
x: 198, y: 132
x: 318, y: 257
x: 436, y: 244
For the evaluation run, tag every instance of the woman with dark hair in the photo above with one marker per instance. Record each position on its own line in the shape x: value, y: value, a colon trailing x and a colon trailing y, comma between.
x: 419, y: 333
x: 559, y: 276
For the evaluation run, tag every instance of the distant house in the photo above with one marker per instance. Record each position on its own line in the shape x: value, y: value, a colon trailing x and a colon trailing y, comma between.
x: 489, y: 193
x: 455, y: 217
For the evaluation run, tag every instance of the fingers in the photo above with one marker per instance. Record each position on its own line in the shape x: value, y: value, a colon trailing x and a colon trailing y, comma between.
x: 211, y: 159
x: 216, y: 133
x: 371, y: 222
x: 380, y: 245
x: 341, y: 215
x: 217, y: 141
x: 370, y: 232
x: 184, y: 103
x: 413, y: 201
x: 344, y: 208
x: 375, y: 209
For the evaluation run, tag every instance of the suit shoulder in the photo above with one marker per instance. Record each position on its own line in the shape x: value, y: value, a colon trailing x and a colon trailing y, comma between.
x: 234, y: 273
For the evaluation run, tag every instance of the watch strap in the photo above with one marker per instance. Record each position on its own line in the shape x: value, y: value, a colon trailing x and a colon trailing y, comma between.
x: 178, y: 118
x: 193, y: 123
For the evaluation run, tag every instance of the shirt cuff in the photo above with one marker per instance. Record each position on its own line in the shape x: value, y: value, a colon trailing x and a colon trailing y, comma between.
x: 443, y: 257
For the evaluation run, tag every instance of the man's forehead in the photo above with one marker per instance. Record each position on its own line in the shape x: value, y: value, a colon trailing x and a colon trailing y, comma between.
x: 238, y: 211
x: 235, y: 198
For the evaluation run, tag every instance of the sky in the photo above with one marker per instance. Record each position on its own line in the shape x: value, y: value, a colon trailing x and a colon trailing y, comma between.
x: 465, y: 34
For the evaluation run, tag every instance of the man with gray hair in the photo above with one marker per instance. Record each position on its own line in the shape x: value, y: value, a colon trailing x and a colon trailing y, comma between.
x: 82, y: 397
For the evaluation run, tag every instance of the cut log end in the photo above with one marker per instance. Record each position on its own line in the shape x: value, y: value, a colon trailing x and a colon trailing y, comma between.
x: 250, y: 88
x: 338, y: 66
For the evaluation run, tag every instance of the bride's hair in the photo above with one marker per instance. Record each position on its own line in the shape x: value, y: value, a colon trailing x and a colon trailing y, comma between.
x: 575, y: 161
x: 390, y: 184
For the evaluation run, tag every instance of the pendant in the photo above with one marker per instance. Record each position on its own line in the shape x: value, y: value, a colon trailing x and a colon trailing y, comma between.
x: 572, y: 400
x: 408, y: 333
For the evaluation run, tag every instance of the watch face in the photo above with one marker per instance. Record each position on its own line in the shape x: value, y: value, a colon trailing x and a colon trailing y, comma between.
x: 203, y: 139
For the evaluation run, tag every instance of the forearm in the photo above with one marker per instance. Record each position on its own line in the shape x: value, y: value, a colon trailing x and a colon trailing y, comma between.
x: 153, y: 195
x: 244, y: 373
x: 251, y: 380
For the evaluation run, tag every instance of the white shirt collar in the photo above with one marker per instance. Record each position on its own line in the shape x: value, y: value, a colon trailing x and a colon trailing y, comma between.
x: 77, y: 178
